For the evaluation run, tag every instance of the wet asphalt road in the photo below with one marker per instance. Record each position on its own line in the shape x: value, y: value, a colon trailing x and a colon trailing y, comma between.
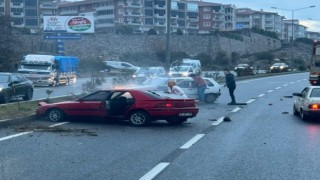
x: 262, y: 141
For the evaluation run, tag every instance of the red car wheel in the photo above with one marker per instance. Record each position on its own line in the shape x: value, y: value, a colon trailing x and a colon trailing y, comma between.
x: 55, y: 115
x: 139, y: 118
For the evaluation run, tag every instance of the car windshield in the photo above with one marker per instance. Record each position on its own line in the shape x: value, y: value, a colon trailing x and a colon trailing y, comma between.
x: 4, y: 78
x: 40, y: 67
x: 315, y: 92
x: 145, y: 70
x: 179, y: 68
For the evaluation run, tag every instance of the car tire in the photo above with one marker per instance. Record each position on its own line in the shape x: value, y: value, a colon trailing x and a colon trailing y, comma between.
x: 5, y: 98
x: 139, y: 118
x: 295, y: 112
x: 55, y: 115
x: 28, y: 95
x: 176, y: 121
x: 303, y: 116
x: 210, y: 98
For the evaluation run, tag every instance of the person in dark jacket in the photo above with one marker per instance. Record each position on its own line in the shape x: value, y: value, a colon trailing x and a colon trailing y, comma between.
x: 201, y: 86
x: 231, y: 84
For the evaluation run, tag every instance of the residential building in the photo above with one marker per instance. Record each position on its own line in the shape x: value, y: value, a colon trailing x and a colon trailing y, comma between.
x: 313, y: 35
x: 293, y: 30
x: 269, y: 21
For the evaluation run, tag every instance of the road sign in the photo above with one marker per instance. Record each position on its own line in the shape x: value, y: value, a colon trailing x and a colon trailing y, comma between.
x: 63, y: 36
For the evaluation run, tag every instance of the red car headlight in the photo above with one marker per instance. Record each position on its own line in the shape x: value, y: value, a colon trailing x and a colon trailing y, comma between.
x: 314, y: 106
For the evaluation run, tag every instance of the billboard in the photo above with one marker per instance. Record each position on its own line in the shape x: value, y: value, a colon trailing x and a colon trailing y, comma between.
x: 69, y: 24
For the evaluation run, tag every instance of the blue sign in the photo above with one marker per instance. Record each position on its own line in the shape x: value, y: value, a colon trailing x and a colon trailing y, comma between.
x: 64, y: 36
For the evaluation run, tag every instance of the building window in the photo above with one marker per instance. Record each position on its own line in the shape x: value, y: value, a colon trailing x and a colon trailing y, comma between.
x: 181, y: 15
x: 181, y: 23
x: 206, y: 9
x: 31, y: 13
x: 149, y: 21
x: 181, y: 6
x: 206, y: 16
x: 32, y: 22
x: 104, y: 12
x: 148, y: 12
x: 206, y: 24
x: 120, y: 11
x: 82, y: 8
x: 17, y: 21
x: 148, y: 3
x: 16, y: 2
x: 31, y: 3
x: 121, y: 20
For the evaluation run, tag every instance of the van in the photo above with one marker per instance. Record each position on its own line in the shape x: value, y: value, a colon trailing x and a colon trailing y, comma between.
x: 119, y: 65
x: 178, y: 71
x: 147, y: 72
x: 194, y: 64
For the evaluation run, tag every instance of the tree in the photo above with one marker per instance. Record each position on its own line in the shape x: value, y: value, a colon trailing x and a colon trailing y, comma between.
x: 125, y: 29
x: 9, y: 43
x: 222, y: 58
x: 152, y: 32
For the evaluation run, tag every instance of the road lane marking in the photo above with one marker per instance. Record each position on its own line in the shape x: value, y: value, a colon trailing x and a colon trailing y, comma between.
x: 298, y: 80
x: 285, y: 85
x: 261, y: 95
x: 236, y: 109
x: 4, y: 120
x: 58, y: 124
x: 270, y: 91
x: 192, y: 141
x: 292, y: 82
x: 278, y: 88
x: 250, y: 101
x: 15, y: 135
x: 155, y: 171
x: 217, y: 122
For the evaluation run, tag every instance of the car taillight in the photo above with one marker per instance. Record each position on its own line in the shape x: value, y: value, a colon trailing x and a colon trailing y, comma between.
x: 165, y: 105
x: 314, y: 106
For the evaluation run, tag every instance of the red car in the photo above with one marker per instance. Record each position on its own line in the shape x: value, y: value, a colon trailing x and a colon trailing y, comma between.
x: 139, y: 107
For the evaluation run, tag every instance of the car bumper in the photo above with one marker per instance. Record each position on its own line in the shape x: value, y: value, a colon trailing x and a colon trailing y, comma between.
x: 313, y: 113
x: 174, y: 112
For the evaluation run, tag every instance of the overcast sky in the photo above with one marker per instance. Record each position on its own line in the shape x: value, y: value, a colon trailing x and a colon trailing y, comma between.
x: 303, y: 15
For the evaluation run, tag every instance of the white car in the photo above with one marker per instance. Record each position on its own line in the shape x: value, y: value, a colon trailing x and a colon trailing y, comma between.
x: 307, y: 103
x: 160, y: 84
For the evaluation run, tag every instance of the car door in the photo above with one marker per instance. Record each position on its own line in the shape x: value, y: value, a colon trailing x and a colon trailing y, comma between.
x: 301, y: 100
x: 186, y: 86
x: 17, y: 85
x: 91, y: 105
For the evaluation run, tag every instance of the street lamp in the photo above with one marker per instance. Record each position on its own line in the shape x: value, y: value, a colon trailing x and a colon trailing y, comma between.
x: 292, y: 25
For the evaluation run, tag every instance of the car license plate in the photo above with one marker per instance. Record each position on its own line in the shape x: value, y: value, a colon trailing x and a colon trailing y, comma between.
x: 185, y: 114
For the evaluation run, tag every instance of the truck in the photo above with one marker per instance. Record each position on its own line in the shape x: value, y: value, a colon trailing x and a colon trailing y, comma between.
x: 49, y: 70
x: 314, y: 77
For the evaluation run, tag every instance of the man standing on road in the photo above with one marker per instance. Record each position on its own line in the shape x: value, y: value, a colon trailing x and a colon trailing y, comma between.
x: 231, y: 84
x: 201, y: 86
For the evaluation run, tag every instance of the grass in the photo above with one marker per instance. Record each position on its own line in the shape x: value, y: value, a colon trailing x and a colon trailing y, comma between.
x: 26, y: 108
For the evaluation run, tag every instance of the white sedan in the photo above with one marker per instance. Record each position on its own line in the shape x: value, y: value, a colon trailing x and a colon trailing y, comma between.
x: 307, y: 103
x: 160, y: 84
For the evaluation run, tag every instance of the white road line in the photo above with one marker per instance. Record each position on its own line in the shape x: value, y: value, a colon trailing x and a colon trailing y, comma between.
x: 261, y: 95
x: 217, y: 122
x: 270, y: 91
x: 298, y: 80
x: 192, y: 141
x: 285, y: 85
x: 292, y: 82
x: 250, y: 101
x: 4, y: 120
x: 15, y: 135
x: 278, y: 88
x: 58, y: 124
x: 236, y: 109
x: 155, y: 171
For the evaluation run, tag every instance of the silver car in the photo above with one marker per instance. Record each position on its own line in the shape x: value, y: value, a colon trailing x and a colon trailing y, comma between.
x: 307, y: 103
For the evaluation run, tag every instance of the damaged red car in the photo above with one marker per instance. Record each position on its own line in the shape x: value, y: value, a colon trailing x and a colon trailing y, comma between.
x: 139, y: 107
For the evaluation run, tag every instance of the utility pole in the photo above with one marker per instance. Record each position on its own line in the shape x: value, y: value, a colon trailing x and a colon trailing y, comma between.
x: 168, y: 31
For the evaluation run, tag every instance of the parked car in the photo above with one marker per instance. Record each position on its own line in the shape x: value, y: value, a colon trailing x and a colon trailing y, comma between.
x: 307, y: 103
x: 139, y: 107
x: 160, y: 83
x: 244, y: 70
x: 147, y: 72
x: 279, y: 67
x: 14, y: 85
x: 120, y: 66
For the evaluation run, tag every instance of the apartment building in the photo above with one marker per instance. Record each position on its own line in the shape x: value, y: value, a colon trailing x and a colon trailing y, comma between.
x: 213, y: 16
x: 293, y: 30
x: 24, y: 13
x: 269, y: 21
x: 313, y: 35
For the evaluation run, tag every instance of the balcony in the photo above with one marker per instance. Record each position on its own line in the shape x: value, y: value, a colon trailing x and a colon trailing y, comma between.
x: 104, y: 8
x: 133, y: 5
x: 16, y: 5
x: 135, y: 22
x: 21, y: 14
x: 106, y: 16
x: 193, y: 26
x: 159, y: 7
x: 104, y: 25
x: 134, y: 14
x: 160, y: 24
x: 48, y: 6
x: 193, y: 19
x: 73, y: 12
x: 160, y: 16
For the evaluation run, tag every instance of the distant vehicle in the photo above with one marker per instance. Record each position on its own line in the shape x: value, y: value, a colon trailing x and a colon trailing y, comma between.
x: 193, y: 64
x: 160, y: 84
x: 314, y: 77
x: 244, y: 70
x: 184, y: 71
x: 139, y: 107
x: 279, y: 67
x: 13, y: 85
x: 120, y: 66
x: 147, y: 72
x: 48, y: 70
x: 307, y: 103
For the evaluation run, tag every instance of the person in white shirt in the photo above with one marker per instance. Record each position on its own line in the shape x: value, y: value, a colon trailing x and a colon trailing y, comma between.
x: 174, y: 89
